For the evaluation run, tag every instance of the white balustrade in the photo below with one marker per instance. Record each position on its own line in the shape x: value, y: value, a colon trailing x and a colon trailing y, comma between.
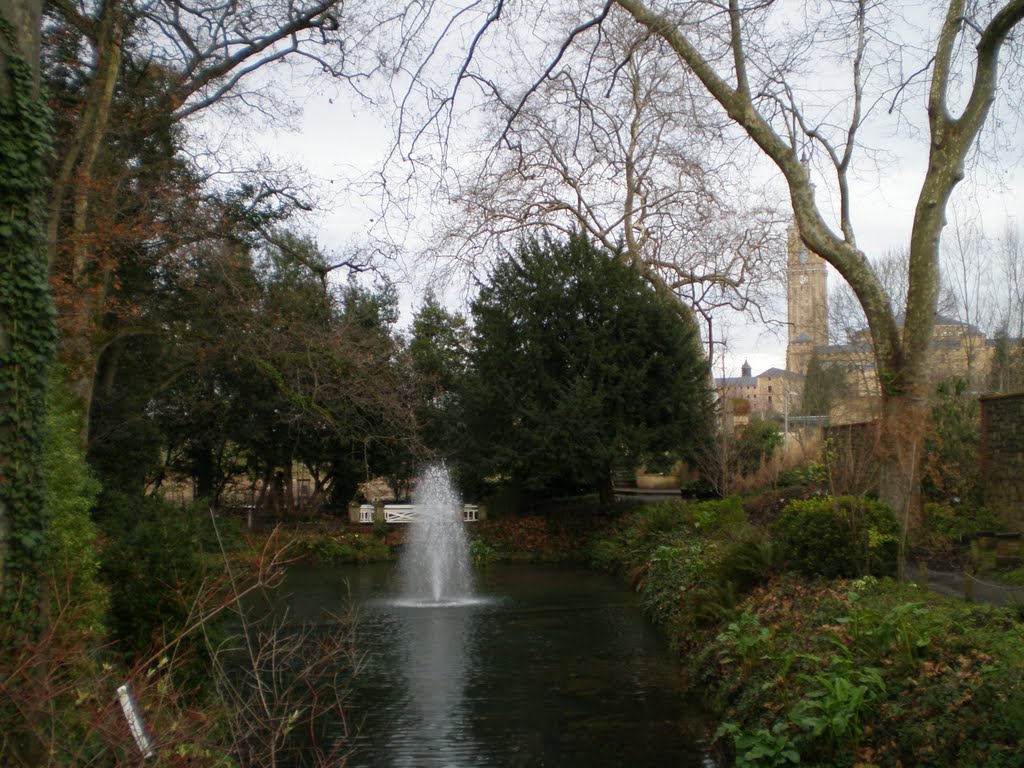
x: 408, y: 513
x: 399, y: 513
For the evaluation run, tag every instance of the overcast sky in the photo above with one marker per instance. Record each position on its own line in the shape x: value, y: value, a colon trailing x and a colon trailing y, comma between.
x: 337, y: 139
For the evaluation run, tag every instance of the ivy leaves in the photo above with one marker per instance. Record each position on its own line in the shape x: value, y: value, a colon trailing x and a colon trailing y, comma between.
x: 26, y: 336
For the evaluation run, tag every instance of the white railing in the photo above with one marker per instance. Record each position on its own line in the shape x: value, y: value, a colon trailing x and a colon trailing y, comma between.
x: 399, y: 513
x: 407, y: 513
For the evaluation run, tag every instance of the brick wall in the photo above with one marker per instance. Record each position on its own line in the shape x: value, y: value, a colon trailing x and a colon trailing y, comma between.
x: 1002, y: 456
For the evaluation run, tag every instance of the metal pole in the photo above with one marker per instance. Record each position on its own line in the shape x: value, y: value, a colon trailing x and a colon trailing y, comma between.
x: 785, y: 429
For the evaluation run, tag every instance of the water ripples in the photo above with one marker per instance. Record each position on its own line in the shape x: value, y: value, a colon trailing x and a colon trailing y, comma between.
x: 546, y: 667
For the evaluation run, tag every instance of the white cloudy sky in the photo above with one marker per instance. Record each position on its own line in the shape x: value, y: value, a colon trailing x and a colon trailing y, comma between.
x: 337, y: 139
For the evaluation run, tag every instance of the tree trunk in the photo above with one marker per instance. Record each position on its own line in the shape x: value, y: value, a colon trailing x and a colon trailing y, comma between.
x: 87, y: 281
x: 203, y: 468
x: 26, y: 358
x: 26, y: 314
x: 288, y: 494
x: 605, y: 490
x: 899, y: 456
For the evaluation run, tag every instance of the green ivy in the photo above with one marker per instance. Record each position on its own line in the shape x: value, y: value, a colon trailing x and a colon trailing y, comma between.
x: 27, y: 339
x: 69, y: 491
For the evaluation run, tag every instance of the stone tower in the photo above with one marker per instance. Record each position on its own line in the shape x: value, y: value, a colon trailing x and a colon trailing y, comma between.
x: 807, y: 303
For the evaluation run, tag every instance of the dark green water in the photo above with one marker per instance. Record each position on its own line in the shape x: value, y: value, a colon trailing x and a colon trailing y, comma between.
x: 551, y: 666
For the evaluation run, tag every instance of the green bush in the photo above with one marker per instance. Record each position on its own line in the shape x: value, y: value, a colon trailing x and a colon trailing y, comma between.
x: 757, y: 445
x: 841, y: 536
x: 959, y: 523
x: 657, y: 523
x: 813, y: 473
x: 748, y: 560
x: 152, y: 561
x: 334, y: 549
x: 481, y: 552
x: 764, y: 505
x: 69, y: 491
x: 719, y: 515
x: 666, y: 574
x: 606, y: 553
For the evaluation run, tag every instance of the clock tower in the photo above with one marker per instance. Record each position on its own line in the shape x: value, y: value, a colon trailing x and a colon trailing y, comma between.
x: 807, y: 303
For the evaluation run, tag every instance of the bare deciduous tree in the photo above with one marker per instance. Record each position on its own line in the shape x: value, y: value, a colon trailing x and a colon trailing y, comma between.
x: 1009, y: 295
x: 803, y: 81
x: 754, y: 86
x: 618, y: 143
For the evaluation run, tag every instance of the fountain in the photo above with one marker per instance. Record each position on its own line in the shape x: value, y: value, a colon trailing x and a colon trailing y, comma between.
x: 435, y: 567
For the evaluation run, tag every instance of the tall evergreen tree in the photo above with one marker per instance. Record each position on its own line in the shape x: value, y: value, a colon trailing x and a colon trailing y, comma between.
x: 578, y: 364
x: 437, y: 355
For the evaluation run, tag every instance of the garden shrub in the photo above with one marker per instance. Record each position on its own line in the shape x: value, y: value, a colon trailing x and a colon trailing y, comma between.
x: 481, y: 552
x: 151, y: 559
x: 946, y: 530
x: 731, y: 569
x: 841, y: 536
x: 607, y: 553
x: 756, y: 445
x: 959, y: 523
x: 719, y: 515
x: 829, y: 673
x: 334, y: 549
x: 855, y: 673
x: 657, y: 523
x: 660, y: 598
x: 691, y: 563
x: 813, y: 474
x: 762, y: 507
x: 748, y: 561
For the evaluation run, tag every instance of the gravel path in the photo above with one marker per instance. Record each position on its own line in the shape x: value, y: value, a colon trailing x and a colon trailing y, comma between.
x: 982, y: 591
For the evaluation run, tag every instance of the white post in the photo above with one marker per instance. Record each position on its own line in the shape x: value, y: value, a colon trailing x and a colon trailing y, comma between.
x: 785, y: 422
x: 134, y: 718
x: 785, y: 436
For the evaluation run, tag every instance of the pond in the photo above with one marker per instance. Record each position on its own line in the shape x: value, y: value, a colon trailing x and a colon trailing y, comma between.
x: 548, y: 666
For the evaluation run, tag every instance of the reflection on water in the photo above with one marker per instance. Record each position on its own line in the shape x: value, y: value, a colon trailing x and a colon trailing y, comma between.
x: 549, y: 667
x: 435, y: 664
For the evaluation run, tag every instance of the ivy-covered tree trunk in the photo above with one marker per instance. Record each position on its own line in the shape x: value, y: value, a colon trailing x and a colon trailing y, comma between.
x: 26, y: 315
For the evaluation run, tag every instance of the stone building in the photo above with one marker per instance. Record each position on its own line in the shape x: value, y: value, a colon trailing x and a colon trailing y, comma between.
x: 958, y: 349
x: 806, y: 304
x: 745, y: 396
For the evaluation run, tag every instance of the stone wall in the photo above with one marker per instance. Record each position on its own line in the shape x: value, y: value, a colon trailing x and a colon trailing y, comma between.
x: 1002, y: 456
